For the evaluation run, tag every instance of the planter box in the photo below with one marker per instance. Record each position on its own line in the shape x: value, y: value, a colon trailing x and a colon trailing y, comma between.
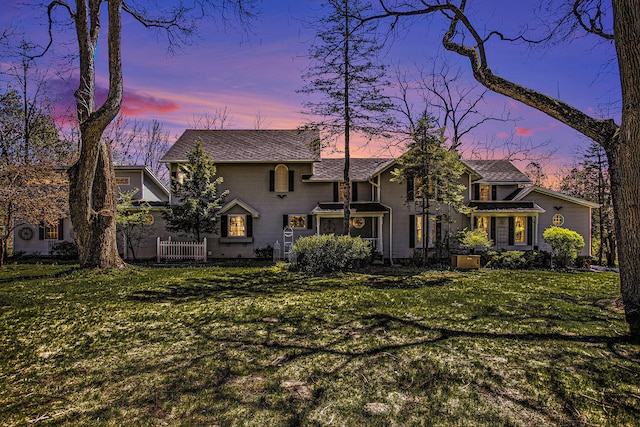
x: 465, y: 262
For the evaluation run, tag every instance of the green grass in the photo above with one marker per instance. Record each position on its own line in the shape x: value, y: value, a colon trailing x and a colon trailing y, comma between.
x: 261, y: 346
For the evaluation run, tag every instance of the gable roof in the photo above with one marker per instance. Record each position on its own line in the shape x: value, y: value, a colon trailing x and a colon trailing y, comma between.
x: 361, y: 169
x: 264, y: 145
x: 526, y: 191
x: 496, y: 172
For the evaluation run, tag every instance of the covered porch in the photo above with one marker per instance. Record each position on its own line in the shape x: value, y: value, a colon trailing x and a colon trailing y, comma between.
x: 367, y: 220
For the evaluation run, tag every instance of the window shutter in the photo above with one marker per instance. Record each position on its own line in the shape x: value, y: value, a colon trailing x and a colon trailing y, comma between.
x: 529, y: 230
x: 410, y: 189
x: 309, y: 222
x: 492, y: 229
x: 285, y: 220
x: 41, y: 231
x: 354, y: 191
x: 412, y: 230
x: 224, y: 226
x: 272, y: 180
x: 291, y: 176
x: 249, y: 220
x: 61, y: 229
x: 336, y: 192
x: 476, y: 191
x: 512, y: 230
x: 494, y: 192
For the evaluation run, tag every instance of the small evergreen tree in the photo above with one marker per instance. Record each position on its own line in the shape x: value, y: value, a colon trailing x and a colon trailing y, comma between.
x: 434, y: 170
x: 197, y: 196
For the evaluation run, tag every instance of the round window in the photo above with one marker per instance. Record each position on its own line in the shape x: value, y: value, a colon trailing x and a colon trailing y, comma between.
x: 558, y: 219
x: 148, y: 219
x: 357, y: 222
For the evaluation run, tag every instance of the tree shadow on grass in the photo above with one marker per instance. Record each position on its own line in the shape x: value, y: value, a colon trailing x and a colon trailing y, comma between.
x: 28, y: 277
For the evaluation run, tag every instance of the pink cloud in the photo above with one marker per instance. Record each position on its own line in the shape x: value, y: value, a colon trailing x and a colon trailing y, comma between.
x: 524, y: 131
x: 502, y: 135
x: 134, y: 103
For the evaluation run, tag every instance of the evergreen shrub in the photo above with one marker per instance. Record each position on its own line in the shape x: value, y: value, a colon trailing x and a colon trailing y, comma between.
x: 328, y: 253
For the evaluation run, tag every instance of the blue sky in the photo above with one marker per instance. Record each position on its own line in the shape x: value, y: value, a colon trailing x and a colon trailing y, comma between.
x: 259, y: 71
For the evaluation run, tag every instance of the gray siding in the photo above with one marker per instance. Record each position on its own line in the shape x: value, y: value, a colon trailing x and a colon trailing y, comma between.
x: 576, y: 217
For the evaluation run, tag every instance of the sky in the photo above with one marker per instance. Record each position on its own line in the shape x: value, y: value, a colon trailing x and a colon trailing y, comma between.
x: 258, y: 72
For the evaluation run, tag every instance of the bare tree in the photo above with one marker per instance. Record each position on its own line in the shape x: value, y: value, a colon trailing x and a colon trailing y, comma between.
x: 619, y: 141
x: 91, y: 179
x: 220, y: 119
x: 260, y: 121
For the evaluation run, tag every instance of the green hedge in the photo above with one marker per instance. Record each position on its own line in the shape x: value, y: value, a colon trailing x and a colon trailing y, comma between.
x: 328, y: 253
x: 516, y: 260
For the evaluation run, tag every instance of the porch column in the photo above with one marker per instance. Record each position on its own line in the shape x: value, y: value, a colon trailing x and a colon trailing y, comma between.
x: 318, y: 225
x: 379, y: 235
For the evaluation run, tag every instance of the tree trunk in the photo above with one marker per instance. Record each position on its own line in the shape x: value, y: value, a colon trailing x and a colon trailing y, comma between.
x: 624, y: 159
x: 94, y: 220
x: 92, y: 191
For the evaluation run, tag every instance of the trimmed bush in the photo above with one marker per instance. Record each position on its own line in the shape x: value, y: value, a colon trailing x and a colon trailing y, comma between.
x: 516, y: 260
x: 474, y: 239
x: 328, y: 253
x: 565, y: 245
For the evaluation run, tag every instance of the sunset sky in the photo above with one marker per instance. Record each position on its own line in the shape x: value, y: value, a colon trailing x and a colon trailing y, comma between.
x: 259, y: 71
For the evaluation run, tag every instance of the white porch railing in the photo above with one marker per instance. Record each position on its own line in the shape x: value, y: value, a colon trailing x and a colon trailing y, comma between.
x: 175, y: 251
x: 376, y: 243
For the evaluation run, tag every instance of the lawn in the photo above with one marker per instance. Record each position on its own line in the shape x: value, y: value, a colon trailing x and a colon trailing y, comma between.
x: 261, y: 346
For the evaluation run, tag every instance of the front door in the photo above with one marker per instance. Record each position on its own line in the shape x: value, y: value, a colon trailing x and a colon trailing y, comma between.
x: 502, y: 232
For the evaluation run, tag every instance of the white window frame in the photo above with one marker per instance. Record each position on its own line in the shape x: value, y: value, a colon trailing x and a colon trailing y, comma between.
x: 524, y: 231
x: 232, y: 229
x: 559, y: 218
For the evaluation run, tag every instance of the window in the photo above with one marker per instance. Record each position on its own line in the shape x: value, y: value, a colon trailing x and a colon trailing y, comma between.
x: 558, y: 220
x: 298, y: 221
x: 483, y: 224
x: 51, y: 232
x: 123, y: 180
x: 237, y: 226
x: 281, y: 179
x: 520, y: 230
x: 419, y: 231
x: 341, y: 189
x: 421, y: 189
x: 485, y: 192
x: 149, y: 219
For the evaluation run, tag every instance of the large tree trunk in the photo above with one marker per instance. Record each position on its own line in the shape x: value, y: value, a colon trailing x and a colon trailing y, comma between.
x: 624, y: 159
x: 93, y: 217
x: 92, y: 191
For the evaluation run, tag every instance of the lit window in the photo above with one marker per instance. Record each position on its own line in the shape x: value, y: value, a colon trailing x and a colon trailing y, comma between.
x: 483, y: 224
x: 281, y: 179
x: 148, y: 219
x: 237, y: 226
x: 298, y: 221
x: 357, y: 222
x: 520, y: 230
x: 422, y: 190
x: 419, y: 231
x: 342, y: 191
x: 51, y: 232
x: 485, y: 192
x: 558, y: 220
x: 123, y: 180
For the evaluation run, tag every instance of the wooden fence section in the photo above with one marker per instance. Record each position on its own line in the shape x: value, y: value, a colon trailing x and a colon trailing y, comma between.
x: 180, y: 251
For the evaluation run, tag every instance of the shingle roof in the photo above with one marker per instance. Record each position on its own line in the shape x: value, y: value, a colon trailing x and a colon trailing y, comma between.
x: 247, y: 145
x: 358, y: 207
x: 505, y: 206
x: 361, y: 169
x: 497, y: 171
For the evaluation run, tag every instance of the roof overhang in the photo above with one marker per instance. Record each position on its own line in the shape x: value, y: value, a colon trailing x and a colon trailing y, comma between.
x: 237, y: 202
x: 505, y: 206
x: 556, y: 194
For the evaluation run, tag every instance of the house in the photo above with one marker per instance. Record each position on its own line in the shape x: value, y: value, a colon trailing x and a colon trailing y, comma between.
x: 276, y: 179
x: 34, y: 239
